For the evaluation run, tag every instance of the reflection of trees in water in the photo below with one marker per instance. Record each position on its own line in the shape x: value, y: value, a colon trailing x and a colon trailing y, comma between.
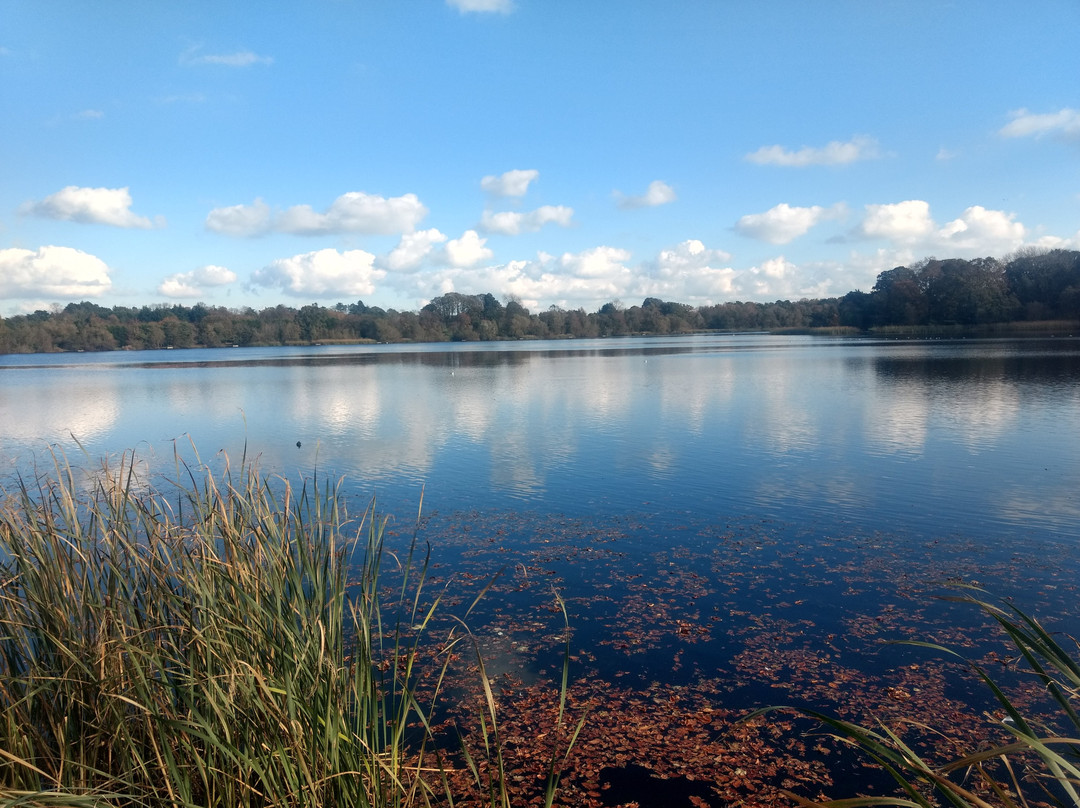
x: 1022, y: 362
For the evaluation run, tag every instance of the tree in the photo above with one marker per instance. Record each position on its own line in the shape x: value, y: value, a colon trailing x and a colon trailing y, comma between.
x: 178, y: 333
x: 900, y: 298
x: 310, y: 322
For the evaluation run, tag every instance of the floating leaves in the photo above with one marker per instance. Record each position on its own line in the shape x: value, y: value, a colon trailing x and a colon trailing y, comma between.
x: 678, y: 631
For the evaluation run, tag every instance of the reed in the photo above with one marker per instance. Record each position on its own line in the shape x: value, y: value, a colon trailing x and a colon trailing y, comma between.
x: 226, y: 641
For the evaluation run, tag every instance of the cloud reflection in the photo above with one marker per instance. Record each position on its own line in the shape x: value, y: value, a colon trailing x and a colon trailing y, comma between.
x: 719, y: 424
x: 36, y: 415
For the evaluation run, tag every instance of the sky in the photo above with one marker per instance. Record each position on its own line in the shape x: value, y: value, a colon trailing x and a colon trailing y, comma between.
x: 556, y: 152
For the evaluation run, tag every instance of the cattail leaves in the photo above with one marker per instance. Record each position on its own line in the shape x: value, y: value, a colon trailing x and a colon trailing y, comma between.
x: 224, y: 641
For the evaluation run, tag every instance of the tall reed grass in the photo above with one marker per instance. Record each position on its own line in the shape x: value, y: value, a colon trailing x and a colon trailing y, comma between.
x: 226, y: 641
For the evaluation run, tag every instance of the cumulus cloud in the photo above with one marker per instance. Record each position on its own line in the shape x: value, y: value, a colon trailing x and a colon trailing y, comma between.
x: 658, y: 193
x: 412, y: 250
x: 784, y: 222
x: 835, y: 153
x: 690, y: 254
x: 776, y: 276
x: 511, y: 223
x: 1050, y: 242
x: 353, y: 212
x: 110, y: 206
x: 322, y: 274
x: 240, y: 220
x: 52, y: 272
x: 1063, y: 123
x: 511, y: 183
x: 597, y: 262
x: 903, y: 222
x: 984, y: 231
x: 977, y: 231
x: 573, y: 279
x: 195, y: 283
x: 688, y: 272
x: 482, y: 6
x: 242, y: 58
x: 468, y: 250
x: 692, y: 273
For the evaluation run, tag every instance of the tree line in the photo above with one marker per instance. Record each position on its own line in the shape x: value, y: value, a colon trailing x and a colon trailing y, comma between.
x: 1030, y: 286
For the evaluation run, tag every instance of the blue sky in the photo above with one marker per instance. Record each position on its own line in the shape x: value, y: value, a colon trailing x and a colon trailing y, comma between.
x: 561, y: 152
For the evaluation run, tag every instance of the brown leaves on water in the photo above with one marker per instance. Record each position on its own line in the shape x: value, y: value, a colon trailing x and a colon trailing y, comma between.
x: 677, y: 634
x: 676, y: 734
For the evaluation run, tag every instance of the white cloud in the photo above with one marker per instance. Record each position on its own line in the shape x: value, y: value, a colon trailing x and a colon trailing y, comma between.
x: 412, y: 250
x: 482, y: 6
x: 982, y: 231
x: 1049, y: 242
x: 692, y: 273
x: 776, y: 277
x: 784, y: 222
x: 689, y: 272
x: 468, y: 250
x: 52, y: 272
x: 353, y: 212
x: 690, y: 254
x: 574, y: 279
x: 511, y: 183
x: 240, y: 220
x: 902, y: 222
x: 243, y: 58
x: 110, y: 206
x: 1064, y: 122
x: 88, y: 115
x: 597, y: 262
x: 322, y: 274
x: 835, y: 153
x: 658, y: 193
x: 511, y: 223
x: 195, y: 283
x: 977, y: 231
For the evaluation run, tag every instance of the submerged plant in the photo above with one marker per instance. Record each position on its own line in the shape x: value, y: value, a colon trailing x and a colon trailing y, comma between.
x: 228, y: 642
x: 1037, y: 763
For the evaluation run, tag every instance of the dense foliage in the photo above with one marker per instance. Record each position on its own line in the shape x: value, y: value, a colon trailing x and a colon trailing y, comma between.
x: 1030, y: 286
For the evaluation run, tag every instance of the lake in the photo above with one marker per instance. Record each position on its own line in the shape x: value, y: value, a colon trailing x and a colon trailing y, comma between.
x: 733, y: 520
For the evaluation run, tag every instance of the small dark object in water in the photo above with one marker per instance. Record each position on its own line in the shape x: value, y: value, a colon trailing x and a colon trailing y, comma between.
x: 298, y: 444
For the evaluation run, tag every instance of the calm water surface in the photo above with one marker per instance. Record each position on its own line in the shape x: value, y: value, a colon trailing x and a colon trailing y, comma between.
x: 979, y: 437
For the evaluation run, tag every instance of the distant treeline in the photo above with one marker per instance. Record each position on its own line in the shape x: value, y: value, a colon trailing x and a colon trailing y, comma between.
x: 1029, y: 287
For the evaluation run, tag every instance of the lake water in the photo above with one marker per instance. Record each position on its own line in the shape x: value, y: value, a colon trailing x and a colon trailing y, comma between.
x: 728, y: 517
x: 976, y: 436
